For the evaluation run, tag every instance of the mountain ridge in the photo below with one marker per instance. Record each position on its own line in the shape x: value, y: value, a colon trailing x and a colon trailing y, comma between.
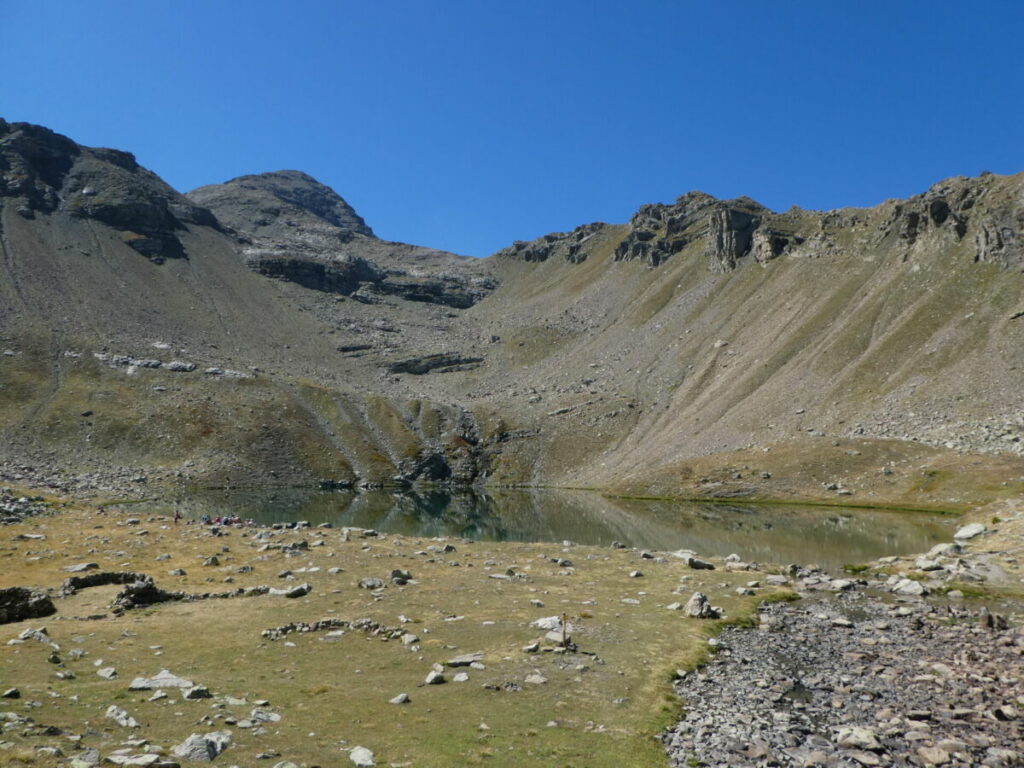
x: 622, y: 356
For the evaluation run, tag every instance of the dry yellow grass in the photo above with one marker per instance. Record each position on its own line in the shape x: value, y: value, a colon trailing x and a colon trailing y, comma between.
x: 601, y: 706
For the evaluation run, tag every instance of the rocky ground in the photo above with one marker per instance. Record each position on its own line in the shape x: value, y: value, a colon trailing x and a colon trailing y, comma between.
x: 857, y: 681
x: 47, y: 475
x: 15, y: 508
x: 872, y: 671
x: 318, y: 646
x: 321, y: 646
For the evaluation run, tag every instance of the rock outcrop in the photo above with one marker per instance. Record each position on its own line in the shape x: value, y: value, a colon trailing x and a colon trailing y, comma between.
x: 20, y: 603
x: 342, y: 274
x: 570, y: 246
x: 292, y: 227
x: 442, y: 362
x: 47, y: 172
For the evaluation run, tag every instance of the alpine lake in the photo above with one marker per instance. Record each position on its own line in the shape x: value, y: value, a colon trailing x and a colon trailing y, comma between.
x: 830, y: 537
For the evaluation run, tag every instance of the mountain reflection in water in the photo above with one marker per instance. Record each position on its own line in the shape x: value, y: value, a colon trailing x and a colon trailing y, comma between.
x: 765, y: 533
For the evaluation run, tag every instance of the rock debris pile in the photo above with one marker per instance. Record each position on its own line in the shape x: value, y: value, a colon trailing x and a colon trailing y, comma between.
x: 14, y: 509
x: 856, y: 681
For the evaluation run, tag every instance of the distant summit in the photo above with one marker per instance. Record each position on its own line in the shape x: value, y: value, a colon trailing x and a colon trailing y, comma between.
x: 272, y: 204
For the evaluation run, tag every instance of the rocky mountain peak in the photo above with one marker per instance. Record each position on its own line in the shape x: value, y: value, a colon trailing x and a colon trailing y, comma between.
x: 292, y: 227
x: 47, y: 173
x: 276, y: 204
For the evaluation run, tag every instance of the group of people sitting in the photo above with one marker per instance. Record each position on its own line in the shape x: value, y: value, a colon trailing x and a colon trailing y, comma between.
x: 225, y: 520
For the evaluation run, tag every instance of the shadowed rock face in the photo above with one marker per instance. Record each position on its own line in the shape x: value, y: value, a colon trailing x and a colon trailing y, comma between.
x: 46, y: 173
x: 341, y: 275
x: 440, y: 363
x: 571, y: 246
x: 19, y: 603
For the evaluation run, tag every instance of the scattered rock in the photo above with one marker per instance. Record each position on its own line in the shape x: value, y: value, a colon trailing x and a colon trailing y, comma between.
x: 121, y: 717
x: 858, y: 738
x: 698, y: 607
x: 203, y: 747
x: 465, y: 659
x: 164, y: 679
x: 699, y: 565
x: 299, y: 590
x: 901, y: 685
x: 969, y: 531
x: 81, y: 567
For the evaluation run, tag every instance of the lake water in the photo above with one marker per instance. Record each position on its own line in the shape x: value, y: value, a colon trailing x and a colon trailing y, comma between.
x: 766, y: 533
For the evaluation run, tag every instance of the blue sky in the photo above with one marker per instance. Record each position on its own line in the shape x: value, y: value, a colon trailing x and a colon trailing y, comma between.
x: 466, y: 125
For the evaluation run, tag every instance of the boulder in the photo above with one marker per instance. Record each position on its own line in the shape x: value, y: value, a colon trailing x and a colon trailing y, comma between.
x: 202, y: 747
x: 698, y: 607
x: 81, y: 567
x: 20, y: 603
x: 163, y: 679
x: 134, y: 761
x: 548, y: 622
x: 121, y: 717
x: 465, y: 659
x: 699, y: 565
x: 400, y: 577
x: 909, y: 587
x: 969, y: 531
x: 858, y: 738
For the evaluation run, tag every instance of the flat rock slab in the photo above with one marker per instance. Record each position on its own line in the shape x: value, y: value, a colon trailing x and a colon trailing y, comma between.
x: 970, y: 531
x: 465, y: 659
x: 81, y: 567
x: 163, y: 679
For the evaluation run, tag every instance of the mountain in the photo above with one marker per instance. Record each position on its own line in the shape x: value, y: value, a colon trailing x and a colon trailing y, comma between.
x: 259, y: 331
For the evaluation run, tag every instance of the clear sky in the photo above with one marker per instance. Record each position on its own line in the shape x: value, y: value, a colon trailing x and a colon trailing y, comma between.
x: 465, y: 125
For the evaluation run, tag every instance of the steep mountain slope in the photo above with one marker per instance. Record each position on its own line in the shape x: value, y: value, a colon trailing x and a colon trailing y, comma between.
x: 711, y: 326
x: 183, y: 357
x: 705, y: 347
